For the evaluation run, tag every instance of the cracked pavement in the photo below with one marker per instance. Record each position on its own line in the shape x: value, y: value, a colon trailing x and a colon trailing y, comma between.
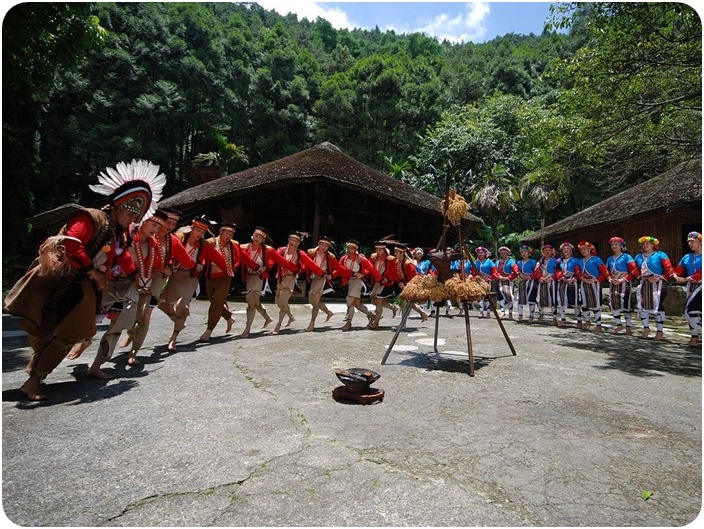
x: 245, y: 432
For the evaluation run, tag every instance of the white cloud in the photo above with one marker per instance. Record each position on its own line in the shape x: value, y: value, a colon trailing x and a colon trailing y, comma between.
x: 464, y: 27
x: 310, y: 10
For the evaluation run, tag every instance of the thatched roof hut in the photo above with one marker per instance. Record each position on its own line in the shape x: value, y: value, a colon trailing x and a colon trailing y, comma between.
x: 667, y: 206
x: 323, y: 191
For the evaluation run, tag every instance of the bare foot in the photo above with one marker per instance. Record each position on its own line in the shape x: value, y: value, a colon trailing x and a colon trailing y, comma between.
x: 230, y: 323
x: 31, y: 389
x: 267, y: 322
x: 629, y: 332
x: 276, y: 329
x: 126, y: 342
x: 617, y: 329
x: 658, y: 336
x: 330, y: 315
x: 693, y: 342
x: 598, y: 329
x: 96, y: 372
x: 347, y: 326
x: 132, y: 361
x: 205, y: 336
x: 309, y: 328
x: 291, y: 319
x: 30, y: 365
x: 245, y: 333
x: 78, y: 349
x: 645, y: 333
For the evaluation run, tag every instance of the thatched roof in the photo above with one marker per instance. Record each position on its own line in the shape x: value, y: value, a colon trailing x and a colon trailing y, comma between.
x: 665, y: 193
x: 323, y: 162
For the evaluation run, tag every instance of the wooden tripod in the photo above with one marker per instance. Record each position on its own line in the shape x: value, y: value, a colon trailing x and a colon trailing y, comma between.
x: 441, y: 261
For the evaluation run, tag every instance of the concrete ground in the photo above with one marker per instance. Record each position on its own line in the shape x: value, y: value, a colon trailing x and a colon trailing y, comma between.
x: 577, y: 429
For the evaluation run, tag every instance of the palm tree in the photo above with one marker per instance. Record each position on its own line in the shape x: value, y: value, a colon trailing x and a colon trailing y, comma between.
x: 494, y: 195
x: 227, y: 157
x: 399, y: 171
x: 544, y: 188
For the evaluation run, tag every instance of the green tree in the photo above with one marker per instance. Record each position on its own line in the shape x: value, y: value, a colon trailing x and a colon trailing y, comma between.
x: 38, y: 40
x: 285, y: 85
x: 637, y: 81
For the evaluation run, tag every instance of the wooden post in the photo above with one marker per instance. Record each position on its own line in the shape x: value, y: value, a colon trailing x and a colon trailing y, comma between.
x: 501, y: 323
x: 404, y: 316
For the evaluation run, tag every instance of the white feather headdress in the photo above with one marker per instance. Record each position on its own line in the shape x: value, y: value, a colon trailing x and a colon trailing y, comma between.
x: 136, y: 183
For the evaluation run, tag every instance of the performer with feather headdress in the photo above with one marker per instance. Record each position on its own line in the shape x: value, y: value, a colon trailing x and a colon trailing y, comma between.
x: 58, y: 295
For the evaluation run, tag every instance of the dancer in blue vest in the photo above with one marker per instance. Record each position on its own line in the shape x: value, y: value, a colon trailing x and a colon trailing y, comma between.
x: 486, y: 269
x: 622, y: 270
x: 547, y: 265
x: 689, y: 270
x: 508, y: 272
x: 568, y: 285
x: 594, y: 273
x: 527, y: 291
x: 654, y: 268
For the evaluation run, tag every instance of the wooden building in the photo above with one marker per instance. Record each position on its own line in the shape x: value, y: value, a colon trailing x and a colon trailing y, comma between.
x: 667, y: 206
x: 322, y: 191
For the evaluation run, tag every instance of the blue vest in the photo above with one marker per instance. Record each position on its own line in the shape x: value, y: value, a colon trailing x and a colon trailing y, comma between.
x: 620, y: 264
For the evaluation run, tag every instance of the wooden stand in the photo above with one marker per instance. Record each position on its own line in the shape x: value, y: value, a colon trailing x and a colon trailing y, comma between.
x: 442, y: 264
x: 368, y: 396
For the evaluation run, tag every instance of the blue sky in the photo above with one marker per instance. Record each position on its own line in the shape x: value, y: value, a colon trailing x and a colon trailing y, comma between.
x: 455, y: 21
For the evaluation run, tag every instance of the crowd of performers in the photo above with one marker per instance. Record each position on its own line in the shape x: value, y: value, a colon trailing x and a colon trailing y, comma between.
x: 127, y: 259
x: 562, y: 280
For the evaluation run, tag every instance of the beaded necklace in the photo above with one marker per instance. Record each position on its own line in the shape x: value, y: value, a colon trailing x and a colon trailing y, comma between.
x: 226, y: 251
x: 145, y: 273
x: 256, y: 257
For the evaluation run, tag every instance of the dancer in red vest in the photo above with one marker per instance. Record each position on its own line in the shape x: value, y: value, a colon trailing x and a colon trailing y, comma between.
x: 297, y: 261
x: 352, y: 268
x: 327, y: 262
x: 218, y: 281
x: 175, y: 300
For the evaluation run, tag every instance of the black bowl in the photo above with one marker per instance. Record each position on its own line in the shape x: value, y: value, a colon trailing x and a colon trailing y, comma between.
x: 356, y: 378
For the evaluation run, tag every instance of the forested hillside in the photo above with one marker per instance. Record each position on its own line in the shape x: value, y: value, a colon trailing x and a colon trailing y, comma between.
x: 540, y: 125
